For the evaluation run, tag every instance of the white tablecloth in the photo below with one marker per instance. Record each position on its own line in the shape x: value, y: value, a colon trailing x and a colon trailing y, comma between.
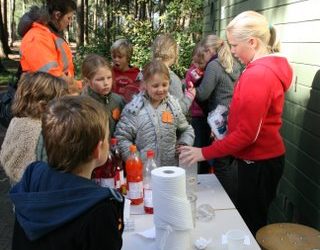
x: 226, y: 218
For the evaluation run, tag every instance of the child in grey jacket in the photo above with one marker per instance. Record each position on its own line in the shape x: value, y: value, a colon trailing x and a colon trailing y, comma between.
x: 154, y: 119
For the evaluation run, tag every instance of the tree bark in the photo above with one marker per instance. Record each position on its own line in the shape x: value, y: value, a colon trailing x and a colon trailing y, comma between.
x: 80, y: 19
x: 3, y: 33
x: 12, y: 22
x: 87, y: 21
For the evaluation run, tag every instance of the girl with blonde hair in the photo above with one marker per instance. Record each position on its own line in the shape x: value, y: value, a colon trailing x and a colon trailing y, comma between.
x: 23, y: 142
x: 220, y: 73
x: 254, y: 121
x: 216, y: 88
x: 98, y: 78
x: 165, y: 49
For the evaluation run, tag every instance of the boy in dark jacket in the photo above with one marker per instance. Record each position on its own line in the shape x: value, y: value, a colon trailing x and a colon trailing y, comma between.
x: 57, y: 205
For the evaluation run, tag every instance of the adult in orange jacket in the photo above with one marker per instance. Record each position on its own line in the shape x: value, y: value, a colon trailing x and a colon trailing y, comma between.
x: 43, y: 47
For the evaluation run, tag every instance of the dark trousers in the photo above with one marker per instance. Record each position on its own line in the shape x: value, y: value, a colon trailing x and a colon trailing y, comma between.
x: 226, y: 170
x: 257, y: 186
x: 202, y: 133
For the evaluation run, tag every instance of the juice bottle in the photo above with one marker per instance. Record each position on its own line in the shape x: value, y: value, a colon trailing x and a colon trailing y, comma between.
x: 104, y: 174
x: 119, y: 181
x: 134, y: 169
x: 147, y: 186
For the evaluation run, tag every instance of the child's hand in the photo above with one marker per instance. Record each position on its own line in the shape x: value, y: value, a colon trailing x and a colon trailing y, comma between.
x: 189, y: 85
x: 191, y: 91
x: 178, y: 148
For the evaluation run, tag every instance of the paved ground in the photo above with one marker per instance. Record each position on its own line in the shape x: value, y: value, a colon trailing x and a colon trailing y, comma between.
x: 6, y: 214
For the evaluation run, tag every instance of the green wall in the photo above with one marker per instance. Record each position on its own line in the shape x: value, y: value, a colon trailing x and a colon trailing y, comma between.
x: 298, y: 25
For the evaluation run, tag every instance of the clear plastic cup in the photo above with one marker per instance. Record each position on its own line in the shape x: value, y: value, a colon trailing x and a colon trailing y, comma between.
x: 191, y: 177
x: 235, y: 239
x: 193, y: 203
x: 205, y: 213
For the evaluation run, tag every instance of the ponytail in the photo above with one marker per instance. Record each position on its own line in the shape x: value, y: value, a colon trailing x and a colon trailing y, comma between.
x: 223, y: 51
x: 225, y: 57
x: 274, y: 43
x: 252, y: 24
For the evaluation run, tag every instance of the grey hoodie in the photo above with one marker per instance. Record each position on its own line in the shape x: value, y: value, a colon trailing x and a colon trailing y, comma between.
x: 217, y: 85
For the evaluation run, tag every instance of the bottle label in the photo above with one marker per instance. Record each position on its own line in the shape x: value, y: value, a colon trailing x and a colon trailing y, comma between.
x: 147, y: 199
x: 119, y: 179
x: 135, y: 190
x: 107, y: 182
x: 121, y: 176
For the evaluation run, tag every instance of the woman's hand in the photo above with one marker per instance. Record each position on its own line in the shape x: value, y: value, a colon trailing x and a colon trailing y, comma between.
x: 190, y: 155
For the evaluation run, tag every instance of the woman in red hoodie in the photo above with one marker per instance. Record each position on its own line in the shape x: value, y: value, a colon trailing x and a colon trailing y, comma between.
x: 254, y: 121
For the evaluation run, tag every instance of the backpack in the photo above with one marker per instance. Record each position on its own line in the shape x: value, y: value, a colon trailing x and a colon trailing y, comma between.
x: 6, y: 99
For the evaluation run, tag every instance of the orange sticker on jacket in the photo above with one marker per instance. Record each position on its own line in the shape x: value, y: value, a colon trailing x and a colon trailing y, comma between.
x: 116, y: 114
x: 167, y: 117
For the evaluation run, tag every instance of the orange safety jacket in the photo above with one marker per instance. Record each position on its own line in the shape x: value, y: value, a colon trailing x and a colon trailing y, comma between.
x: 42, y: 50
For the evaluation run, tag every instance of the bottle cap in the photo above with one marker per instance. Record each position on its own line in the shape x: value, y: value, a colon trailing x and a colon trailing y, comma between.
x: 150, y: 153
x: 113, y: 141
x: 133, y: 148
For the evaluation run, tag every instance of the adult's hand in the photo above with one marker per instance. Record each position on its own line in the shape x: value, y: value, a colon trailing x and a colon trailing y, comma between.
x: 190, y: 155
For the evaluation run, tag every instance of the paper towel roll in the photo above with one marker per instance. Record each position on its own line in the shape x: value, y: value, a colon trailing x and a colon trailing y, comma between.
x: 172, y: 211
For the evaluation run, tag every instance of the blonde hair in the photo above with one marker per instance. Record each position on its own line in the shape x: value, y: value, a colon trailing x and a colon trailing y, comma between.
x: 223, y: 51
x: 252, y: 24
x: 123, y: 47
x: 155, y: 67
x: 165, y: 48
x: 34, y: 92
x: 91, y: 64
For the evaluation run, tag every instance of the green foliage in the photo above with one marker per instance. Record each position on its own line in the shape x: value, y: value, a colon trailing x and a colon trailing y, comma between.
x: 183, y: 19
x: 141, y: 34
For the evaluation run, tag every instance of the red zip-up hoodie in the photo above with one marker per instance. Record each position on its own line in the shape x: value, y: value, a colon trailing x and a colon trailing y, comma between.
x: 125, y: 83
x: 255, y: 112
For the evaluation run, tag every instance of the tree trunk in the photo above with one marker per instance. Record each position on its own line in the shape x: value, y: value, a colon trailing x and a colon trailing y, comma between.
x: 87, y: 21
x: 135, y: 8
x: 3, y: 32
x: 95, y: 19
x: 12, y: 22
x: 80, y: 18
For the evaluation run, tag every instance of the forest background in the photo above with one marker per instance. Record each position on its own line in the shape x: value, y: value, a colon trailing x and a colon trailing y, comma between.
x: 98, y: 23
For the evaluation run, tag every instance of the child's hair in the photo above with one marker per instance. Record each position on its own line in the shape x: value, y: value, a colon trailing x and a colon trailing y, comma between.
x: 165, y: 48
x: 252, y: 24
x: 155, y: 67
x: 223, y: 50
x: 72, y: 128
x: 91, y: 64
x: 34, y: 92
x: 123, y: 47
x: 198, y: 56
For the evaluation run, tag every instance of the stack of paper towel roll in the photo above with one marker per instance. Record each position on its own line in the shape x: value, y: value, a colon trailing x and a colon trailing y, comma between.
x: 172, y: 211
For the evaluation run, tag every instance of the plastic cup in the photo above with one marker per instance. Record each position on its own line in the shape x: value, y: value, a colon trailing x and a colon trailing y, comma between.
x: 128, y: 222
x: 191, y: 177
x: 193, y: 204
x: 235, y: 239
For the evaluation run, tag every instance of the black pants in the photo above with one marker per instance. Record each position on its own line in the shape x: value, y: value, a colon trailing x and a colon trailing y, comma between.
x: 202, y: 138
x: 257, y: 185
x: 226, y: 170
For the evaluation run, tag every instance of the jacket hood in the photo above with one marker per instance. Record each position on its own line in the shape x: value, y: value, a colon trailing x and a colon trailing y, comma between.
x: 28, y: 19
x: 46, y: 199
x: 279, y: 65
